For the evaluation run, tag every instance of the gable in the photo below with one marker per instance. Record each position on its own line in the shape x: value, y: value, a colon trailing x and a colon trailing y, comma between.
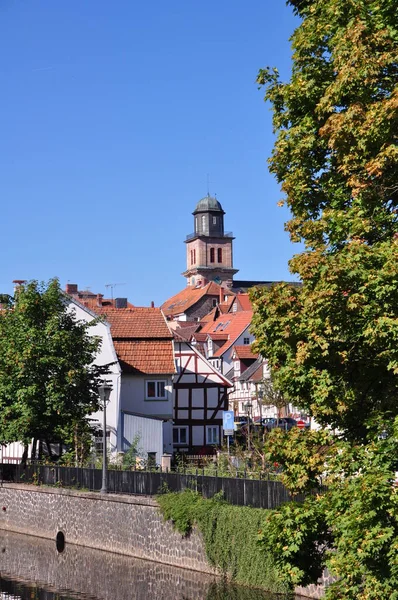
x: 192, y: 367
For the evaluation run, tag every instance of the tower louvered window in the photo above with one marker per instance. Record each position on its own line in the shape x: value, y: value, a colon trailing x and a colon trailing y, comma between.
x: 219, y: 255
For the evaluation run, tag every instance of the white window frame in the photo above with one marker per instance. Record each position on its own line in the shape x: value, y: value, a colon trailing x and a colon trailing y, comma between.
x: 158, y: 383
x: 179, y: 428
x: 212, y: 435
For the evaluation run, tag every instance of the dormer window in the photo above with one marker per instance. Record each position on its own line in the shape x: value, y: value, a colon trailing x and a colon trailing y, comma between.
x: 210, y: 347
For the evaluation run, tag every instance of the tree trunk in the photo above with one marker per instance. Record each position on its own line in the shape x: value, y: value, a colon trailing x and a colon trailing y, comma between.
x: 76, y: 447
x: 25, y: 455
x: 33, y: 453
x: 40, y: 452
x: 49, y: 451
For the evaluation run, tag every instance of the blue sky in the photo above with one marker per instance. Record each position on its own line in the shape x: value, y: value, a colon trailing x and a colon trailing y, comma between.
x: 111, y: 116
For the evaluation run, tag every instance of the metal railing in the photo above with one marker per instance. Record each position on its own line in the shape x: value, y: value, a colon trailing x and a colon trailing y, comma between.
x: 258, y: 493
x: 191, y: 236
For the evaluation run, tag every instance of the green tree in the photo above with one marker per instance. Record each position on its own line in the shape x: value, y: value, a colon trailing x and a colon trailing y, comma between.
x: 332, y: 343
x: 48, y: 382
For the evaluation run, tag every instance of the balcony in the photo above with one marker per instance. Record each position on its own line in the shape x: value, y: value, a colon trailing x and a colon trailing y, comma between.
x: 191, y: 236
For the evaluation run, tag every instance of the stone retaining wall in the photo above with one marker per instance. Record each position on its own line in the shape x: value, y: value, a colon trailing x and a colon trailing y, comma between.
x: 128, y: 525
x: 88, y: 571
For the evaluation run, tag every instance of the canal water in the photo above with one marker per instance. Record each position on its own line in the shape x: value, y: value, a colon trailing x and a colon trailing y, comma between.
x: 32, y: 568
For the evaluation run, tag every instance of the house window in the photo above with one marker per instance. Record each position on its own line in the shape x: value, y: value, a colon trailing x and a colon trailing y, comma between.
x: 211, y: 435
x: 212, y: 255
x: 246, y: 341
x: 180, y: 436
x: 155, y: 390
x: 219, y: 255
x: 210, y: 347
x: 214, y: 302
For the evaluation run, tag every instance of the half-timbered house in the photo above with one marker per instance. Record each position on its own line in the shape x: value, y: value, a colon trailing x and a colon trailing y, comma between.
x: 200, y: 397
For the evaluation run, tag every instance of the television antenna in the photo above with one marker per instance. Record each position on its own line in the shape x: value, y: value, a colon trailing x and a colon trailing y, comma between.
x: 112, y: 286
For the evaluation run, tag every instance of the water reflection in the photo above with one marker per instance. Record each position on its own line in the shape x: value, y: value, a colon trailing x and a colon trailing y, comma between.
x: 32, y: 569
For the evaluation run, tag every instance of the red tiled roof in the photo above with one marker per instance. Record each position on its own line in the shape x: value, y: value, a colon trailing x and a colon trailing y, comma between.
x: 244, y: 301
x: 135, y: 323
x: 245, y: 352
x: 199, y: 336
x: 145, y: 356
x: 188, y: 297
x: 92, y: 303
x: 142, y: 339
x: 218, y: 336
x: 231, y: 324
x: 186, y: 333
x: 210, y: 316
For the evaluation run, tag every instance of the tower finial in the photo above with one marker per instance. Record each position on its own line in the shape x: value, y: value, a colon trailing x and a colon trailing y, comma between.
x: 208, y: 185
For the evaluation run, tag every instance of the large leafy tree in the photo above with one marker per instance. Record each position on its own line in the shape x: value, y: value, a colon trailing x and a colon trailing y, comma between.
x: 48, y: 380
x: 332, y: 343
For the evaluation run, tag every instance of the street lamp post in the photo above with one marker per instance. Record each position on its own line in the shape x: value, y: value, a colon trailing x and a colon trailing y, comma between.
x: 104, y: 393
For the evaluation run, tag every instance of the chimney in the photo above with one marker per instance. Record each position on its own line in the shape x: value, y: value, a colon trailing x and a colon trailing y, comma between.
x: 71, y: 288
x: 120, y: 302
x: 152, y: 304
x: 99, y: 299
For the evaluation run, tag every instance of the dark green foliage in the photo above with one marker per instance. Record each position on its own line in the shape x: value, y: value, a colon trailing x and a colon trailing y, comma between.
x: 230, y: 534
x: 297, y: 536
x: 48, y: 382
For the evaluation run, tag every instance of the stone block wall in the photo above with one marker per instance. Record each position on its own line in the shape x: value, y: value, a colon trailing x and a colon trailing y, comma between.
x: 94, y: 573
x: 127, y: 525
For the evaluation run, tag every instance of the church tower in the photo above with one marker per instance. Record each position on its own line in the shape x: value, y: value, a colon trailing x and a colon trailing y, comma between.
x: 209, y: 249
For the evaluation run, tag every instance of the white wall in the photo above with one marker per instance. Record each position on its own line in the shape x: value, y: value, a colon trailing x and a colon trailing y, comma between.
x: 227, y: 356
x: 149, y: 433
x: 106, y: 355
x: 132, y: 400
x: 132, y: 397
